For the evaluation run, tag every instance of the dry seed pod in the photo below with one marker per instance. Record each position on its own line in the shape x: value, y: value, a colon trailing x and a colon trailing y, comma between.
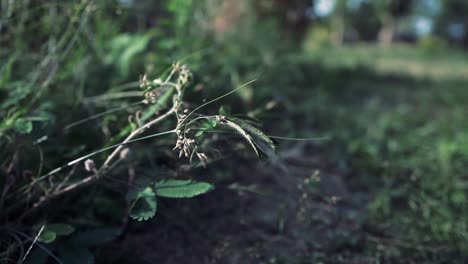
x: 90, y: 165
x: 125, y: 153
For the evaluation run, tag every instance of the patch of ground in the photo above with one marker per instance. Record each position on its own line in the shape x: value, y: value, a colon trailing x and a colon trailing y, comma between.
x: 290, y: 212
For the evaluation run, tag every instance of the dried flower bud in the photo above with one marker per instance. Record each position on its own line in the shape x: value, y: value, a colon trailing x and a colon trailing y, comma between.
x: 90, y: 165
x: 125, y: 153
x: 203, y: 158
x: 144, y: 81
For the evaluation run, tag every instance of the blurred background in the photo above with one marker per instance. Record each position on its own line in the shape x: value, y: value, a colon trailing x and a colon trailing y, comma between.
x: 371, y: 94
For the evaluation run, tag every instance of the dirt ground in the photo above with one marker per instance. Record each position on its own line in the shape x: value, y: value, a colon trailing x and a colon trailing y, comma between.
x: 246, y: 221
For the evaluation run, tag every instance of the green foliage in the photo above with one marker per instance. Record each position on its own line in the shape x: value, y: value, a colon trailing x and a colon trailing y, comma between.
x: 143, y: 199
x: 317, y: 38
x: 48, y: 236
x: 432, y: 44
x: 80, y: 56
x: 395, y: 121
x: 206, y: 126
x: 256, y: 133
x: 23, y: 126
x: 263, y: 146
x: 224, y: 111
x: 181, y: 188
x: 143, y: 203
x: 413, y: 167
x: 123, y: 49
x: 53, y: 231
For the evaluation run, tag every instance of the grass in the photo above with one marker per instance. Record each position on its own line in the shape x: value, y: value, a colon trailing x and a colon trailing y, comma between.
x: 399, y: 135
x: 401, y: 59
x: 385, y: 181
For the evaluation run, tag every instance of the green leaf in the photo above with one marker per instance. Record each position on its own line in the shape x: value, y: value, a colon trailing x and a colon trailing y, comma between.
x: 7, y: 69
x: 181, y: 188
x: 23, y: 126
x: 255, y: 132
x: 124, y: 48
x: 244, y: 134
x: 206, y: 125
x: 61, y: 229
x: 53, y: 231
x: 199, y: 133
x: 266, y: 146
x: 224, y: 110
x: 47, y: 236
x: 18, y: 91
x: 144, y: 203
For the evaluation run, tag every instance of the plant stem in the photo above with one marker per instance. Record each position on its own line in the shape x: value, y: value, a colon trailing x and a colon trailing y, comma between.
x: 135, y: 133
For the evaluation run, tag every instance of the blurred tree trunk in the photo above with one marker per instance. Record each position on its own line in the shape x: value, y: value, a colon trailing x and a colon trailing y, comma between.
x: 387, y: 30
x: 390, y: 11
x: 338, y: 23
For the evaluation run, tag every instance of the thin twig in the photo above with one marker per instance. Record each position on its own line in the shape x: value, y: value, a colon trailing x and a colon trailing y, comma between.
x: 135, y: 133
x: 32, y: 244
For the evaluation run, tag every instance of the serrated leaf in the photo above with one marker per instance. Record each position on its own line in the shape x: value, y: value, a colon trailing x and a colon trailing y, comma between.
x: 259, y: 136
x: 48, y: 236
x: 181, y: 188
x: 255, y: 131
x: 243, y: 133
x: 144, y: 203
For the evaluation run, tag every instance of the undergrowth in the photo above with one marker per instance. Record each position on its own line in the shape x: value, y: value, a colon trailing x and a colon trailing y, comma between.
x: 89, y: 148
x: 60, y: 208
x: 162, y: 99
